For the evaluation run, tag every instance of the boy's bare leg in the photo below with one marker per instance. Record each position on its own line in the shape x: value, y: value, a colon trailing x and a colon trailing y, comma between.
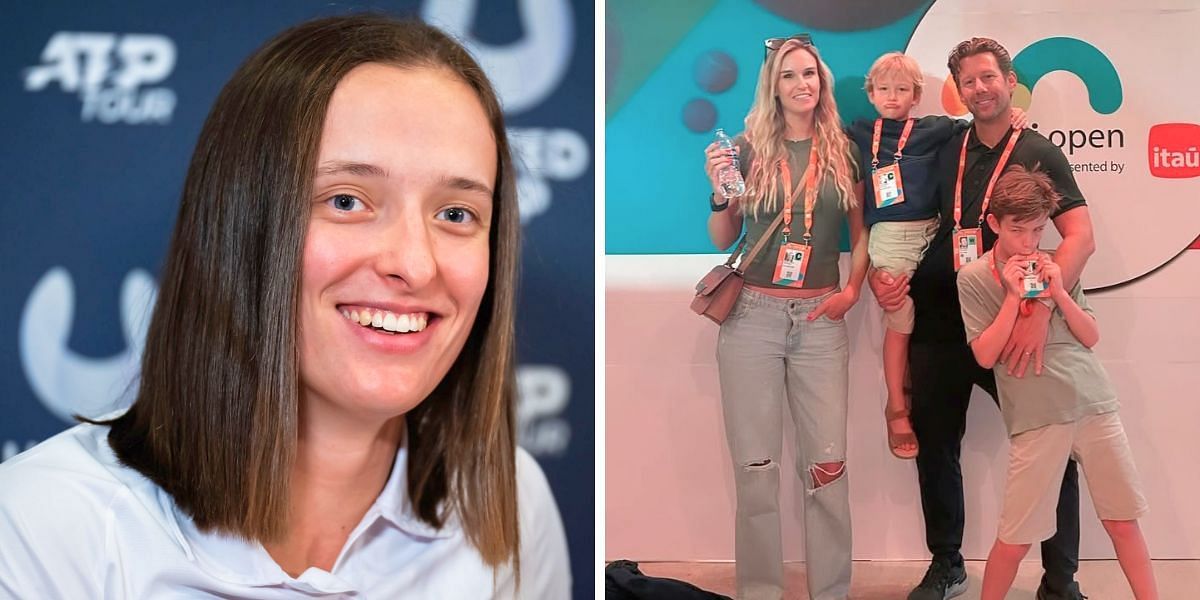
x: 1134, y: 557
x: 1001, y: 569
x: 895, y: 365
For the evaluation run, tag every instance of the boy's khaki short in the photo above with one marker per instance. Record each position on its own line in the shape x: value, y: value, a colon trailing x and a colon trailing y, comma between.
x: 1037, y: 460
x: 897, y: 247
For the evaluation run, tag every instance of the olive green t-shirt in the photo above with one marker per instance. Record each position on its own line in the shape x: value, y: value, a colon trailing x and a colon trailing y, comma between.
x: 828, y: 222
x: 1072, y: 385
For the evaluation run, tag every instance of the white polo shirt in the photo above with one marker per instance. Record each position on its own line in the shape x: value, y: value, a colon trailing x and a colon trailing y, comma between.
x: 75, y: 523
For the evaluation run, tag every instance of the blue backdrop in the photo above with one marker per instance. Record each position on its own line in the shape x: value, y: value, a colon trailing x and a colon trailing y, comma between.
x: 100, y: 107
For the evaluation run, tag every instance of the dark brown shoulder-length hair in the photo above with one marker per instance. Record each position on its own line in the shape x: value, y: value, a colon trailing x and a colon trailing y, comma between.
x: 214, y: 422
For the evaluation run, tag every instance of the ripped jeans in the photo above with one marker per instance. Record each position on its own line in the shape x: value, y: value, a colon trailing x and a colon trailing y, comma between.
x: 769, y: 353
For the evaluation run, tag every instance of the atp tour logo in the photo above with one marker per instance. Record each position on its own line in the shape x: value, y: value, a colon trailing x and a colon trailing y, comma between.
x: 110, y: 73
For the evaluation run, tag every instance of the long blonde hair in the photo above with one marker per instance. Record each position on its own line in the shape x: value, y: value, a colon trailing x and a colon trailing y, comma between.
x: 765, y: 132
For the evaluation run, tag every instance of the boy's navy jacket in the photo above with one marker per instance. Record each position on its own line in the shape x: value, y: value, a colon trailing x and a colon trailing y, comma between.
x: 917, y: 164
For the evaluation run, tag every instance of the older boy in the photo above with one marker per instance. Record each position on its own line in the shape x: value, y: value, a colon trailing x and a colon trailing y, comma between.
x: 1068, y: 411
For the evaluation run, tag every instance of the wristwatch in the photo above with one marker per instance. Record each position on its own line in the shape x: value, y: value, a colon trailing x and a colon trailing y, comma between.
x: 712, y: 203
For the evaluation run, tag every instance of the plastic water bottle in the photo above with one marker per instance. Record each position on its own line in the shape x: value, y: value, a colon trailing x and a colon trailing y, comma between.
x: 730, y: 176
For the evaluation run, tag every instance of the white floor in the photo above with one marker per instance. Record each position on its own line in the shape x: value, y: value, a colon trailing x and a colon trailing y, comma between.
x: 878, y: 580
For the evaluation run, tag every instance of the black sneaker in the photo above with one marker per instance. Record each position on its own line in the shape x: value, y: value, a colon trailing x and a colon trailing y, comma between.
x: 1071, y: 594
x: 941, y: 582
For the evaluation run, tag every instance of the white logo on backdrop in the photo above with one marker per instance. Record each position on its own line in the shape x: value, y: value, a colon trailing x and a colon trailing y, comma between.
x: 528, y: 70
x: 66, y: 382
x: 69, y: 384
x: 544, y: 392
x: 11, y: 448
x: 108, y: 71
x: 541, y: 155
x: 525, y: 73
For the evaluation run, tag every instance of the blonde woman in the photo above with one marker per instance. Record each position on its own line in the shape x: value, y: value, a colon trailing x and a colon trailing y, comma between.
x: 785, y: 339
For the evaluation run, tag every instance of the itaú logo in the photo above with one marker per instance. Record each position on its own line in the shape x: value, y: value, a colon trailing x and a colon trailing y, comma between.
x: 1174, y: 150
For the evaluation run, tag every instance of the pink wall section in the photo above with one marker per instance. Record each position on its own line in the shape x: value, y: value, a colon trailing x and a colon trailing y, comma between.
x: 670, y: 420
x: 669, y: 492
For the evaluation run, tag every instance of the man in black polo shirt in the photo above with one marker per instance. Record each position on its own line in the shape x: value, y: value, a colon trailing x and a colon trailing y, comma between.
x: 941, y: 366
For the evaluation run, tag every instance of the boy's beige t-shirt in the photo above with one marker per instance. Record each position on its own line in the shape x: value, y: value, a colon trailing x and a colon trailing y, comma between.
x: 1072, y: 384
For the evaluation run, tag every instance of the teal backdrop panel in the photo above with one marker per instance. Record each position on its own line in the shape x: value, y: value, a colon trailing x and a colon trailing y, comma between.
x: 664, y: 114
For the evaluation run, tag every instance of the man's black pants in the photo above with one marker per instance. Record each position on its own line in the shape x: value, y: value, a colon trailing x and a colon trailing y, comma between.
x: 942, y: 376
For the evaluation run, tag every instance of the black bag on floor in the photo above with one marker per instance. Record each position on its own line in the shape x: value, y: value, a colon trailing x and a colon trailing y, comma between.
x: 623, y: 581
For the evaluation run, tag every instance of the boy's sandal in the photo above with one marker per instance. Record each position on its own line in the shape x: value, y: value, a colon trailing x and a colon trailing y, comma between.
x: 896, y: 441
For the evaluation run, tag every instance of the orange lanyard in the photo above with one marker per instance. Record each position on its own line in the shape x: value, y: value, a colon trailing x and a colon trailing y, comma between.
x: 908, y: 125
x: 810, y: 194
x: 987, y: 194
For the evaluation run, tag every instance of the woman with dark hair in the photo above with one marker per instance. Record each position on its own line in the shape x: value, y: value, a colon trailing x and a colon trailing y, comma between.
x: 784, y: 343
x: 327, y: 392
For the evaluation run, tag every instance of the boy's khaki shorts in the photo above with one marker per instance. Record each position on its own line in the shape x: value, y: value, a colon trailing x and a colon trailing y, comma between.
x: 897, y: 247
x: 1037, y: 460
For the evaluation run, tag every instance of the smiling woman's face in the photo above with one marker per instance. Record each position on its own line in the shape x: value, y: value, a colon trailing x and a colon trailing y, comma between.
x: 799, y: 83
x: 396, y: 257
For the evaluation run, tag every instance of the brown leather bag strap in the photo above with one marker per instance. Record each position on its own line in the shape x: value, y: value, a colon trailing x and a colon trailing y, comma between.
x: 736, y: 251
x: 758, y: 246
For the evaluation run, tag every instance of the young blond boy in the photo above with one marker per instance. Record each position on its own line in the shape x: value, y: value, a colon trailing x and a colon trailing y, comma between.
x: 901, y: 208
x: 901, y: 225
x: 1070, y: 410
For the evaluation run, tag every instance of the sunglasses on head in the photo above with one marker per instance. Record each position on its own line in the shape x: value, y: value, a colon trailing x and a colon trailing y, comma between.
x: 775, y: 43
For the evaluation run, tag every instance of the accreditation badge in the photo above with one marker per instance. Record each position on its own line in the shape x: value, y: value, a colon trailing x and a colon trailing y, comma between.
x: 888, y: 188
x: 968, y: 246
x: 792, y: 264
x: 1031, y: 287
